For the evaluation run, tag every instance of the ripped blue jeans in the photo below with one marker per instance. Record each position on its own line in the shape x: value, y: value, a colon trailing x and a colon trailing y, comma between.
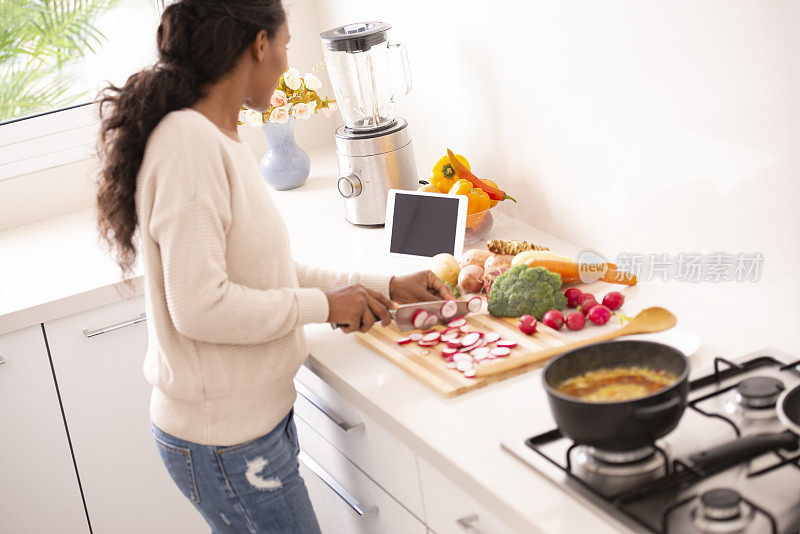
x: 253, y: 487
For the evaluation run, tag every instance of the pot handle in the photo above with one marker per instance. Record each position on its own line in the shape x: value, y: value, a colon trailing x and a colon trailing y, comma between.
x: 742, y: 449
x: 647, y: 412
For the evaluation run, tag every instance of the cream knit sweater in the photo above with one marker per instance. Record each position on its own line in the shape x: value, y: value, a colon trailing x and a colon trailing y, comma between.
x: 225, y: 302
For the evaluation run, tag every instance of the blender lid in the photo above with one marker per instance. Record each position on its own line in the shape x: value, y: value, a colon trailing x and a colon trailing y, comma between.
x: 357, y: 37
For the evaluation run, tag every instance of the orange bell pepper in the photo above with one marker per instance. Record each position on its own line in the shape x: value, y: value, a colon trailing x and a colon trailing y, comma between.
x: 465, y: 174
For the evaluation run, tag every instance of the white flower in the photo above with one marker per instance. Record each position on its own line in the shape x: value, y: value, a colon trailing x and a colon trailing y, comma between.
x: 279, y: 115
x: 292, y: 79
x: 312, y: 82
x: 329, y: 111
x: 243, y: 116
x: 301, y: 111
x: 278, y: 99
x: 253, y: 118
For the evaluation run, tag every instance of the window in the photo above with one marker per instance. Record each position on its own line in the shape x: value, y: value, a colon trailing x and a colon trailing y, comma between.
x: 54, y: 57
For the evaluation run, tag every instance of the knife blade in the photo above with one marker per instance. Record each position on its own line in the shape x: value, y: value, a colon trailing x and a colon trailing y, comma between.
x: 403, y: 315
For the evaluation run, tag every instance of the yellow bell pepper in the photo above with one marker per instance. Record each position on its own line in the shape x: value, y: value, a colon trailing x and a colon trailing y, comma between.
x: 461, y: 187
x: 493, y: 202
x: 444, y: 176
x: 478, y: 201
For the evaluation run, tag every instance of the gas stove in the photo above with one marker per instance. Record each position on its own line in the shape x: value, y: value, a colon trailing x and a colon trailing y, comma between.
x: 736, y: 399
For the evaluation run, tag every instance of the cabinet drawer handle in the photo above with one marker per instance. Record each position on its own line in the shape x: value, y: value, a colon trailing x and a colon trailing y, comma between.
x: 467, y: 524
x: 2, y: 360
x: 346, y: 496
x: 138, y: 319
x: 306, y: 393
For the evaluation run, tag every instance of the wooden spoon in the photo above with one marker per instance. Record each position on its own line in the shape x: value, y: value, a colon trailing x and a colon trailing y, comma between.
x: 646, y: 321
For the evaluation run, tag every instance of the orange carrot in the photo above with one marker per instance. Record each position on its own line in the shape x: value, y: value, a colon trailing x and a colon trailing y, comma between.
x: 570, y: 271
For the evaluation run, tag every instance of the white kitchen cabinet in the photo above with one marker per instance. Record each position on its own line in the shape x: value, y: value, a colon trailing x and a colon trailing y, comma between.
x: 106, y: 404
x: 40, y: 492
x: 368, y: 444
x: 345, y: 500
x: 452, y: 510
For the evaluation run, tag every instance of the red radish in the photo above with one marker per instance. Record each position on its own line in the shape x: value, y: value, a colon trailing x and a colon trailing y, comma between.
x: 457, y: 323
x: 527, y: 319
x: 427, y: 343
x: 575, y: 320
x: 416, y: 336
x: 449, y: 309
x: 501, y: 352
x: 528, y: 328
x: 573, y: 295
x: 404, y: 341
x: 431, y: 336
x: 451, y: 329
x: 491, y: 337
x: 450, y: 365
x: 431, y: 321
x: 587, y: 302
x: 613, y: 300
x: 480, y: 353
x: 599, y: 314
x: 471, y: 338
x: 467, y: 348
x: 506, y: 343
x: 466, y: 329
x: 464, y: 365
x: 449, y: 351
x: 553, y: 319
x: 419, y: 318
x: 469, y: 373
x: 475, y: 304
x: 454, y: 343
x: 449, y: 337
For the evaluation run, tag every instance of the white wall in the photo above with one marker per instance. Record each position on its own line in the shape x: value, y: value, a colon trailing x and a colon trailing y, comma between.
x: 638, y: 125
x: 67, y: 188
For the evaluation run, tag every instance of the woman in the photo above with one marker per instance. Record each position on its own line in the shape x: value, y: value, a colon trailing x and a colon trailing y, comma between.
x: 225, y: 302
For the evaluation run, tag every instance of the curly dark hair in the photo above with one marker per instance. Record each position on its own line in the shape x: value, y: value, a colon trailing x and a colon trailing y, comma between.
x: 198, y: 42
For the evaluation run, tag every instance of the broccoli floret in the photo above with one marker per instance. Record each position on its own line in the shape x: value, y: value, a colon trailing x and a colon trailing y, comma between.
x: 525, y: 290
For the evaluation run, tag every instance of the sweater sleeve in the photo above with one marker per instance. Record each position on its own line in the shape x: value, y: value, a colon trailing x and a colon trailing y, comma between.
x: 326, y: 280
x: 204, y: 304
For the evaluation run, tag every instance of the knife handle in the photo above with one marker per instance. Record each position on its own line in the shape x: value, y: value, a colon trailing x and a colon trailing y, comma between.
x: 392, y: 312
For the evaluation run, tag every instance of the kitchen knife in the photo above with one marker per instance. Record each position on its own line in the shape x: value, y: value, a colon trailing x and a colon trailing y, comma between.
x: 403, y: 315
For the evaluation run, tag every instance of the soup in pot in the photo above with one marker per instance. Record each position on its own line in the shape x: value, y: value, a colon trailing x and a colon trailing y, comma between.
x: 617, y: 384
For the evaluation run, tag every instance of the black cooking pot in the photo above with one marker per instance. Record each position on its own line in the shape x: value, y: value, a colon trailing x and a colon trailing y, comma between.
x: 620, y: 425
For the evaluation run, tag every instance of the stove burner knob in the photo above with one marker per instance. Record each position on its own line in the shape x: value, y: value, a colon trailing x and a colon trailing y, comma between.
x: 721, y: 504
x: 759, y: 391
x: 349, y: 186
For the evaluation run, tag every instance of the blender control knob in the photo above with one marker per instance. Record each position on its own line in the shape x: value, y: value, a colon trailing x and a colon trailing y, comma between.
x: 349, y: 186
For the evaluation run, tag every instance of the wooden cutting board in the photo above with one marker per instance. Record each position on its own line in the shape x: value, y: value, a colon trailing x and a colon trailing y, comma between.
x: 427, y: 365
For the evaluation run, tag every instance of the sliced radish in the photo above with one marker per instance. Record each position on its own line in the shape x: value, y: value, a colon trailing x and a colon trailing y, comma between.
x: 450, y: 365
x: 457, y: 323
x: 454, y: 343
x: 501, y: 352
x: 404, y: 341
x: 475, y: 304
x: 480, y: 353
x: 427, y: 343
x: 506, y: 343
x: 464, y: 365
x: 468, y: 348
x: 431, y: 336
x: 419, y: 318
x: 466, y: 329
x: 471, y: 338
x: 449, y: 337
x: 451, y: 330
x: 432, y: 320
x: 449, y: 309
x: 469, y: 373
x: 416, y: 336
x: 492, y: 337
x: 448, y: 351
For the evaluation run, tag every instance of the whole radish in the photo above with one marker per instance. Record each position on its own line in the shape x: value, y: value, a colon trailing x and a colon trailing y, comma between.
x: 575, y: 320
x: 599, y: 314
x: 614, y: 300
x: 528, y: 326
x: 553, y: 319
x: 587, y: 302
x: 573, y: 295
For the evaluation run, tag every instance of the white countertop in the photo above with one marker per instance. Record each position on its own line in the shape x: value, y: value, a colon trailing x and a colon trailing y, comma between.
x: 54, y: 268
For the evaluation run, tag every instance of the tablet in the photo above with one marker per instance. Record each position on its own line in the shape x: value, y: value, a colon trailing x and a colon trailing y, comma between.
x: 421, y: 225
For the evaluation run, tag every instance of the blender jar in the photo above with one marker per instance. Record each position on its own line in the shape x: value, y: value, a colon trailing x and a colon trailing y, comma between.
x: 369, y: 74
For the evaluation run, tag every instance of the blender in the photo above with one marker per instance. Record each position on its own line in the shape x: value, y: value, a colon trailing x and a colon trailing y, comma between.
x: 369, y: 75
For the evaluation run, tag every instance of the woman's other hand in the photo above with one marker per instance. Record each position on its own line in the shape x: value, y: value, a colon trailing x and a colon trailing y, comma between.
x: 357, y: 308
x: 418, y: 287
